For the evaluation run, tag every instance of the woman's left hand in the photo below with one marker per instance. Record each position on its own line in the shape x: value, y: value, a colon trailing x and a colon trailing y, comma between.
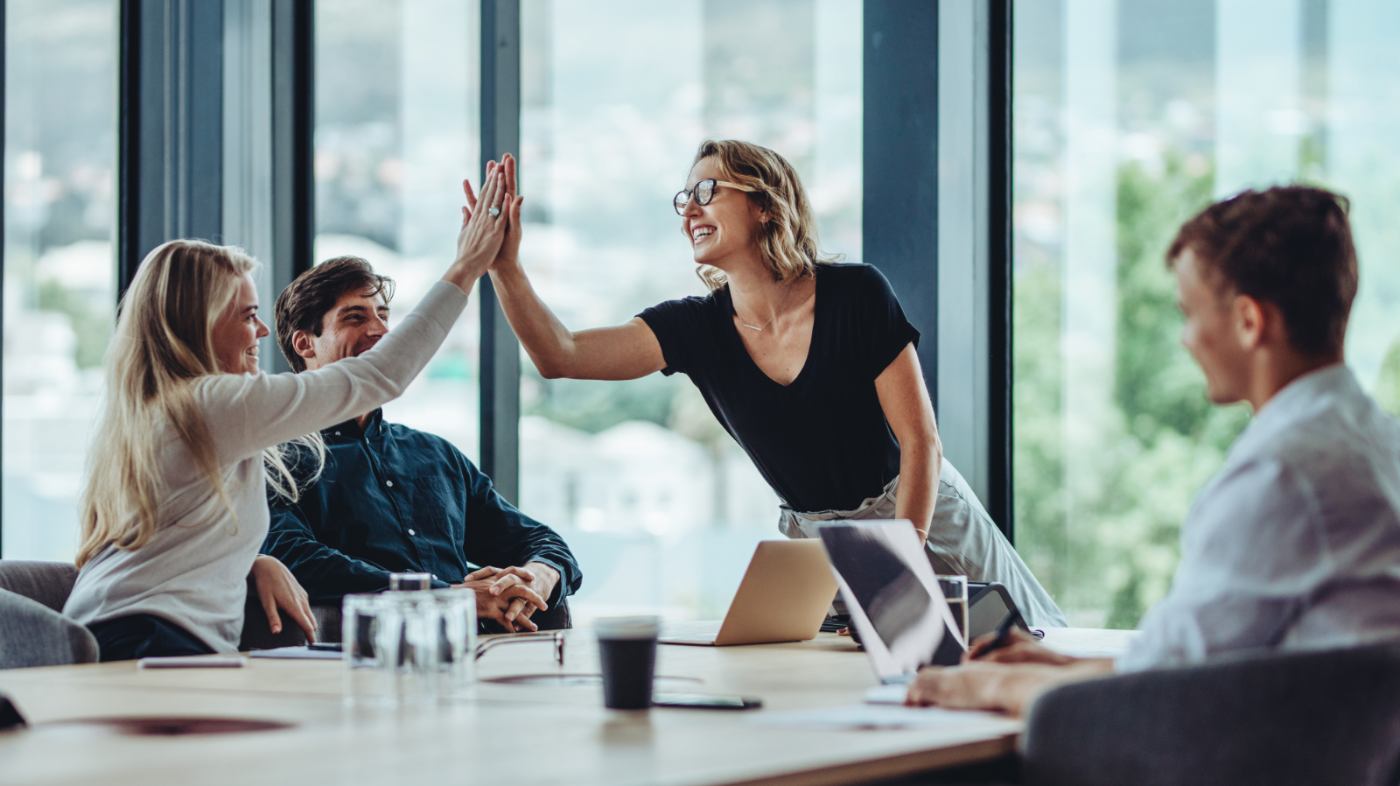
x: 279, y: 589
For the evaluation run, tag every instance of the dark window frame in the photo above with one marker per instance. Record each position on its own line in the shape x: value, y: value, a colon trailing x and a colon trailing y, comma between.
x: 171, y: 137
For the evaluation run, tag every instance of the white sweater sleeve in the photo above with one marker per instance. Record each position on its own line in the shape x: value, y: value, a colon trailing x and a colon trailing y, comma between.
x: 246, y: 413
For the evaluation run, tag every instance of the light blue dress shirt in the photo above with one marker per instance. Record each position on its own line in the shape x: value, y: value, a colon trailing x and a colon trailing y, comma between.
x: 1295, y: 543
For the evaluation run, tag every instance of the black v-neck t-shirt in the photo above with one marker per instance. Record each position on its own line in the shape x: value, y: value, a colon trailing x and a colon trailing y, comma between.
x: 822, y: 442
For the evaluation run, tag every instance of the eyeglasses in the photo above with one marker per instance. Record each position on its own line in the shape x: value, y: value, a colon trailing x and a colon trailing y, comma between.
x: 703, y: 192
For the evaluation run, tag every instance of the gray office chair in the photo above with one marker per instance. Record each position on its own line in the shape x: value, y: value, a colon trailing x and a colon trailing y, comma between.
x: 1318, y: 718
x: 33, y: 630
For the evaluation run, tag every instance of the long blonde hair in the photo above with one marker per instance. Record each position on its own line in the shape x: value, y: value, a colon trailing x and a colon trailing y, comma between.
x: 163, y: 344
x: 787, y: 241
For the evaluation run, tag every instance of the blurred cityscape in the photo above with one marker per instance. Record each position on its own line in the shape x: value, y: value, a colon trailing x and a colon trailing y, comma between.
x: 1129, y: 116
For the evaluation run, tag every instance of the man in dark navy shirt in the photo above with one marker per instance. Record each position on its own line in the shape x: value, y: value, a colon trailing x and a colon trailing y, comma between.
x: 394, y: 499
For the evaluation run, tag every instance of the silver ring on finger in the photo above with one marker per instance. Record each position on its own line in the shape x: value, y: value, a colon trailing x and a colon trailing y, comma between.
x: 494, y: 212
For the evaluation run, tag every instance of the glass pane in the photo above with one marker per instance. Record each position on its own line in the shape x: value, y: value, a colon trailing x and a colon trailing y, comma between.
x: 1129, y: 117
x: 397, y: 124
x: 658, y: 503
x: 60, y: 267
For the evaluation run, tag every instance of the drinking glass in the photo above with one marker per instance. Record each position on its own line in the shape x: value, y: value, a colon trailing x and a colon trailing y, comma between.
x: 409, y: 647
x: 369, y: 679
x: 456, y: 624
x: 955, y: 592
x: 403, y: 582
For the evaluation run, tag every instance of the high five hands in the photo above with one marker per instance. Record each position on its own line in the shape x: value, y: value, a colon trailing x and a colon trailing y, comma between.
x: 509, y: 202
x: 485, y: 232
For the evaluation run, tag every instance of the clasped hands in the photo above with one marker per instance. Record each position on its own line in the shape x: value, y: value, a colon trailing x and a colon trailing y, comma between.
x: 510, y: 596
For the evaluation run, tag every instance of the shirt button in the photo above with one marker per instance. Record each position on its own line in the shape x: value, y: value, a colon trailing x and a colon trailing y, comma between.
x: 413, y: 532
x: 337, y: 433
x: 389, y: 483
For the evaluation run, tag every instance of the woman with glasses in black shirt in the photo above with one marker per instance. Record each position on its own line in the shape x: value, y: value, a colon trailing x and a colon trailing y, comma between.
x: 810, y: 365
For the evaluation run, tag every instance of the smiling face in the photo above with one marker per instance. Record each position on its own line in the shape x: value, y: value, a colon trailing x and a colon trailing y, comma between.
x: 723, y: 229
x: 354, y: 324
x: 237, y: 331
x: 1215, y: 331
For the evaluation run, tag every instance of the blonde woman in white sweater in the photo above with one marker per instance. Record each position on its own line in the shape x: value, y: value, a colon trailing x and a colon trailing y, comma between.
x: 175, y: 507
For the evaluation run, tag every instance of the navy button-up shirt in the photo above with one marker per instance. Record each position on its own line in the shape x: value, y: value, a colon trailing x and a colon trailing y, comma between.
x: 393, y: 499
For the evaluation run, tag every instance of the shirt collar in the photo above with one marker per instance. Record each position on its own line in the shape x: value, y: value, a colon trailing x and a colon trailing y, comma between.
x: 1295, y: 399
x: 349, y: 430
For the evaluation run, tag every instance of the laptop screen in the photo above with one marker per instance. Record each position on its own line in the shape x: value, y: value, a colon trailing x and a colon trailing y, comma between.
x: 890, y: 593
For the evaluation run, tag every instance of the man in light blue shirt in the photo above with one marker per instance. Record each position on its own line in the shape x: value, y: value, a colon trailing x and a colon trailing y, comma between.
x: 1295, y: 543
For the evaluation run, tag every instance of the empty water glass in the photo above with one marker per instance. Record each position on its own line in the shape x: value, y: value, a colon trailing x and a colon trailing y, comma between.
x: 408, y: 582
x: 410, y: 647
x: 369, y: 679
x: 456, y: 624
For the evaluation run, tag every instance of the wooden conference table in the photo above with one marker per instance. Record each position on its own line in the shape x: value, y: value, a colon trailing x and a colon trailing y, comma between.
x: 516, y: 733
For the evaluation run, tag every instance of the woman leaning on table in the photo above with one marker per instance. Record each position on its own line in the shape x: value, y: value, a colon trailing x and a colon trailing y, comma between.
x: 809, y: 365
x: 175, y: 509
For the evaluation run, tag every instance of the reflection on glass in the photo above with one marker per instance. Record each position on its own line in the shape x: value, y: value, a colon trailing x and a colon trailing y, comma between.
x: 658, y: 503
x: 60, y: 270
x: 397, y: 121
x: 1129, y: 117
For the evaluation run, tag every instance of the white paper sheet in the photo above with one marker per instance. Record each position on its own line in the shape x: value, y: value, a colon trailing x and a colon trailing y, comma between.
x: 886, y: 694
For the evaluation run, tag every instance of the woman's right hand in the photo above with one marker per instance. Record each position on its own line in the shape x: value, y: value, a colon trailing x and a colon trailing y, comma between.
x: 481, y: 235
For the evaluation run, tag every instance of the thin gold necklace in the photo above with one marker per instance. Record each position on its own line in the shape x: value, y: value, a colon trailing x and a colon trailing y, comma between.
x: 764, y: 326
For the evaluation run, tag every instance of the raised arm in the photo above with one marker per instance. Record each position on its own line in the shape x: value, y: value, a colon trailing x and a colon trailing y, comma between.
x: 626, y: 351
x: 246, y: 413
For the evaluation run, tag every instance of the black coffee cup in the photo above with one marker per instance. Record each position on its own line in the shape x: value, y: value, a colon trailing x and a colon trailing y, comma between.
x: 627, y: 657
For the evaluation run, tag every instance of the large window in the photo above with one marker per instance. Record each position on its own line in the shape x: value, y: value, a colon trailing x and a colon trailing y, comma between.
x: 658, y: 503
x: 60, y: 269
x: 397, y: 121
x: 1130, y: 116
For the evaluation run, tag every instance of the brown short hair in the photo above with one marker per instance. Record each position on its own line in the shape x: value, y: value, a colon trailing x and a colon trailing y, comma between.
x: 1288, y: 245
x: 305, y: 301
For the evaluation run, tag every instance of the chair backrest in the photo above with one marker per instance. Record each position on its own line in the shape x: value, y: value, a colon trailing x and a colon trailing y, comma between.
x: 1321, y: 717
x: 33, y: 630
x: 48, y: 583
x: 32, y: 634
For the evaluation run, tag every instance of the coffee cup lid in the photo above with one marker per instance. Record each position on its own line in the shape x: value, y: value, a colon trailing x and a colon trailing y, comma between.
x: 636, y: 627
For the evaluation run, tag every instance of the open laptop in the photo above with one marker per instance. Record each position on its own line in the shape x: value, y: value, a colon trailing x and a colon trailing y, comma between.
x: 783, y: 596
x: 893, y: 600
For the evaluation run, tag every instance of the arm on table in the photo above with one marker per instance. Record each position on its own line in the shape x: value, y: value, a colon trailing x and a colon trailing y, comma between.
x: 1009, y: 688
x: 499, y: 534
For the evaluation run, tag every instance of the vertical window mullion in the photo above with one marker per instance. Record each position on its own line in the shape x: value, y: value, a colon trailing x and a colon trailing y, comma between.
x: 500, y: 352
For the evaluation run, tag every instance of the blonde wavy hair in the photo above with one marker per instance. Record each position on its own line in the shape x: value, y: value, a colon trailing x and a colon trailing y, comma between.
x: 163, y: 344
x: 787, y: 242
